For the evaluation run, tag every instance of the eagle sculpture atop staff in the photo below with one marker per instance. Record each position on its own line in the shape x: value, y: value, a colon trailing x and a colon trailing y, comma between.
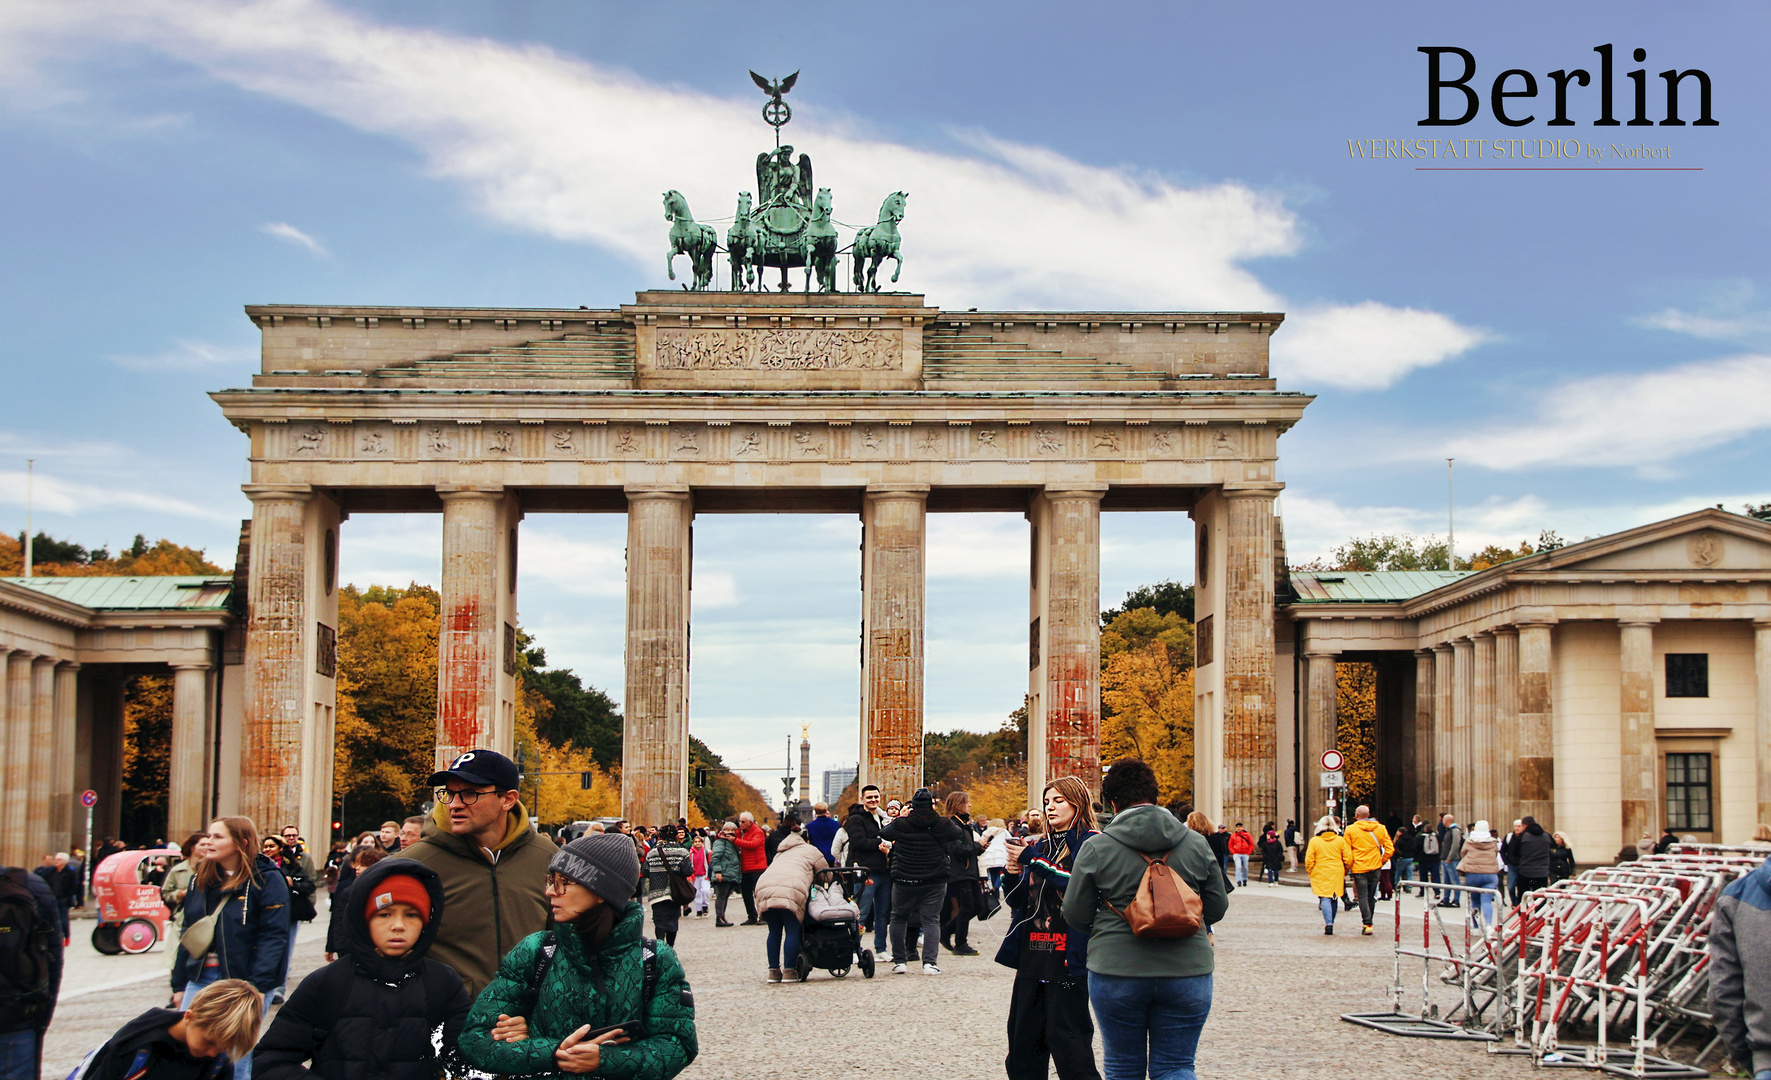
x: 776, y: 111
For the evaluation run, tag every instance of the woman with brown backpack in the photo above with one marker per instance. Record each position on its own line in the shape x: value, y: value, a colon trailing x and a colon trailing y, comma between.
x: 1145, y: 891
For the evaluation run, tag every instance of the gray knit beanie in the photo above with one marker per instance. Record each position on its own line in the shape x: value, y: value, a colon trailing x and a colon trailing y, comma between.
x: 604, y: 863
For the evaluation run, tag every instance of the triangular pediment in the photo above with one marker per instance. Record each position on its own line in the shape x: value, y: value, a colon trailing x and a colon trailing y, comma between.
x: 1707, y: 540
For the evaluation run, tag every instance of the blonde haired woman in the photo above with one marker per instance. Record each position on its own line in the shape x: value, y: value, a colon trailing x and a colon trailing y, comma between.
x: 1327, y: 861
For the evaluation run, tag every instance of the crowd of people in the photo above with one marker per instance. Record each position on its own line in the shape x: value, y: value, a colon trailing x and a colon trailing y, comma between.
x: 465, y: 940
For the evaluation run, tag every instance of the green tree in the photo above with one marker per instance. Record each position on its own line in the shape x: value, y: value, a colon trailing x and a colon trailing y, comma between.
x: 580, y: 716
x: 1166, y: 597
x: 1761, y: 511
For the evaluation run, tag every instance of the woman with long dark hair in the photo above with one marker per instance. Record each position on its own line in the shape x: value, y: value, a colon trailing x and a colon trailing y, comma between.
x: 1048, y: 1017
x: 962, y: 877
x: 239, y: 903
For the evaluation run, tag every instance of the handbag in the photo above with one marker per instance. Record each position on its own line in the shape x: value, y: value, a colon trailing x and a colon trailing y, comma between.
x: 989, y: 904
x: 198, y: 936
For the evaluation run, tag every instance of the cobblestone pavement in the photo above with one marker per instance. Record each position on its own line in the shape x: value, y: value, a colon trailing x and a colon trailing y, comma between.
x: 1281, y: 986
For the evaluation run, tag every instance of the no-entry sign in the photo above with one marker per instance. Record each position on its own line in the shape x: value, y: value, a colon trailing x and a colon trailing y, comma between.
x: 1332, y: 760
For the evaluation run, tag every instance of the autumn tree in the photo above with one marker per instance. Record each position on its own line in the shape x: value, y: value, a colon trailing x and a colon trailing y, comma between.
x: 385, y: 743
x: 147, y: 757
x: 64, y: 558
x: 726, y: 794
x: 1356, y: 729
x: 1147, y: 695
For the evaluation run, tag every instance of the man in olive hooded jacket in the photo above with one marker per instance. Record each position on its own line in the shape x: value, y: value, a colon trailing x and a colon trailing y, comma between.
x: 493, y: 866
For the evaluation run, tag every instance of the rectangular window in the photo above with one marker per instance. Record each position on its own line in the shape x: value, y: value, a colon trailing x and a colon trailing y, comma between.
x: 1687, y: 674
x: 1688, y: 792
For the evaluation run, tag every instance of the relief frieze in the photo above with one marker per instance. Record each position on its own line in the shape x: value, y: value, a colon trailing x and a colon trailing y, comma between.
x: 784, y: 349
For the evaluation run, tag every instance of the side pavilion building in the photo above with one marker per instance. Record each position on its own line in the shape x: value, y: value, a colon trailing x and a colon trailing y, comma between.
x: 1610, y: 688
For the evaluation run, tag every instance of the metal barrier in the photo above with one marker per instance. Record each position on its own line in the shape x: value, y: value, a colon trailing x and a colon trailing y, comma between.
x: 1618, y: 950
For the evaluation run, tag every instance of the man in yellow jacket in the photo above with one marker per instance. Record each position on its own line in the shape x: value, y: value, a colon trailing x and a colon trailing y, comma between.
x: 1327, y: 861
x: 1371, y: 847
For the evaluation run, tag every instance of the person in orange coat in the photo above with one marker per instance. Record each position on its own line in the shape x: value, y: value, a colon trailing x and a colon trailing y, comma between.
x: 1327, y: 861
x: 1241, y: 847
x: 1371, y: 847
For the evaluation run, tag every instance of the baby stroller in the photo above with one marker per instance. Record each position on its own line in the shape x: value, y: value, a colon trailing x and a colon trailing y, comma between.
x: 831, y: 935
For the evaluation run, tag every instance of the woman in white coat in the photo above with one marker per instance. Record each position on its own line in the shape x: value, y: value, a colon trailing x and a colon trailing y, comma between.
x: 781, y: 895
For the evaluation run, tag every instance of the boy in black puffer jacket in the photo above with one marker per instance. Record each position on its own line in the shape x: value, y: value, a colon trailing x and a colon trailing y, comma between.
x: 373, y: 1012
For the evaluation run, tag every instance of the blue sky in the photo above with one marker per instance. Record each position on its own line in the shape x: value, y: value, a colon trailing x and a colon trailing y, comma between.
x: 1593, y: 347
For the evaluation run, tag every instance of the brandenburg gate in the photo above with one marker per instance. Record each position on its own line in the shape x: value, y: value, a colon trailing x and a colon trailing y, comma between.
x: 705, y: 402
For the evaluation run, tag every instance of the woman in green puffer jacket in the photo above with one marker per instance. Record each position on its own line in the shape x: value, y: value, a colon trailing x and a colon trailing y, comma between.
x: 545, y: 1017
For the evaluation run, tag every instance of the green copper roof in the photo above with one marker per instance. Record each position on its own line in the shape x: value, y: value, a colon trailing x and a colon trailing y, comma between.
x: 1368, y: 586
x: 134, y: 593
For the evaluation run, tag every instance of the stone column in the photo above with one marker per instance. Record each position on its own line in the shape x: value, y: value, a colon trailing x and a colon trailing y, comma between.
x: 1483, y: 798
x: 655, y: 751
x: 1425, y: 781
x: 1506, y: 724
x: 1251, y: 734
x: 1066, y: 670
x: 476, y: 651
x: 42, y: 754
x: 1762, y: 710
x: 1462, y: 691
x: 1319, y: 727
x: 1444, y: 772
x: 61, y: 783
x: 290, y: 659
x: 1636, y: 765
x: 894, y: 534
x: 15, y: 722
x: 187, y: 772
x: 1537, y: 726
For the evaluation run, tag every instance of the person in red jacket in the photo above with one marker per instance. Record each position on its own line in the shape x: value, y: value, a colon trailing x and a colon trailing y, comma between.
x: 752, y: 860
x: 1241, y: 847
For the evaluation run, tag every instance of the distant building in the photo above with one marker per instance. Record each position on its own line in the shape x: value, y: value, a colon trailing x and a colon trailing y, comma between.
x: 834, y: 781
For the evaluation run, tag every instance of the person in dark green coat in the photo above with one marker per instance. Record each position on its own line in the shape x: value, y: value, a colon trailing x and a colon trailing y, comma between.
x: 726, y: 869
x: 585, y: 1009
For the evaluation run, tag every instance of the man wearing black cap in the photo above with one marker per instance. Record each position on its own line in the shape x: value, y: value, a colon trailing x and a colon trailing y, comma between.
x: 493, y: 865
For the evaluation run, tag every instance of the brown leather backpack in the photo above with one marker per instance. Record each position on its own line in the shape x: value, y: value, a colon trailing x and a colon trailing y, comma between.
x: 1165, y: 906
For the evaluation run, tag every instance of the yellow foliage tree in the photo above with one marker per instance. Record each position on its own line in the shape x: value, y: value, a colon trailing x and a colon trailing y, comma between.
x: 1147, y: 696
x: 554, y: 787
x: 385, y: 743
x: 160, y: 559
x: 1356, y: 728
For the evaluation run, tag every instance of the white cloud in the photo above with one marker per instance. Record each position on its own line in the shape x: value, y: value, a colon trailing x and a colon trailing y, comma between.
x: 1712, y: 327
x: 1009, y: 225
x: 1366, y: 346
x: 1315, y: 526
x: 187, y: 355
x: 713, y: 589
x: 571, y: 566
x: 977, y: 546
x: 289, y: 234
x: 52, y: 494
x: 1641, y: 420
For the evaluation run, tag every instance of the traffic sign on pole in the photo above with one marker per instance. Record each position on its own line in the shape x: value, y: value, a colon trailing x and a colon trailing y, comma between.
x: 1332, y: 760
x: 1333, y: 779
x: 89, y: 799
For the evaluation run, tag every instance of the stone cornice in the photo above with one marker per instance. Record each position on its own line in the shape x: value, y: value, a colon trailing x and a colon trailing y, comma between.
x: 55, y: 609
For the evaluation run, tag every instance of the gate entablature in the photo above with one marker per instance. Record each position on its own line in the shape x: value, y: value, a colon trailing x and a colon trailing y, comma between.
x: 687, y: 402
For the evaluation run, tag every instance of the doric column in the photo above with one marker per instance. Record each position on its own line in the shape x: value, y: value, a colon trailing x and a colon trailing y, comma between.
x: 1462, y: 691
x: 15, y: 800
x: 894, y: 535
x: 1251, y: 734
x: 1537, y: 726
x: 476, y: 653
x: 61, y: 783
x: 1319, y: 727
x: 1636, y: 728
x: 1762, y: 710
x: 1444, y: 761
x: 1506, y: 724
x: 1425, y: 781
x: 1064, y: 732
x: 42, y: 753
x: 187, y: 772
x: 1484, y: 802
x: 655, y: 751
x: 291, y: 659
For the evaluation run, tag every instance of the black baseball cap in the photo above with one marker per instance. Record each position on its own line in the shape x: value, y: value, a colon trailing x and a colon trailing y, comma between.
x: 481, y: 767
